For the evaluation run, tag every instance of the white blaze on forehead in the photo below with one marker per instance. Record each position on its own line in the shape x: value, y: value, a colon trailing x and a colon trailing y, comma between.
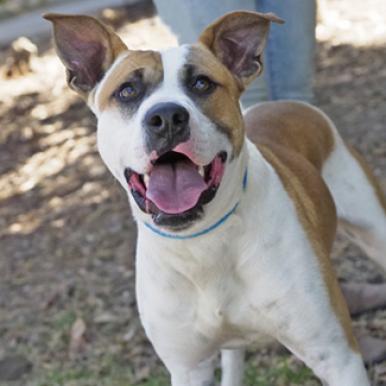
x: 173, y: 60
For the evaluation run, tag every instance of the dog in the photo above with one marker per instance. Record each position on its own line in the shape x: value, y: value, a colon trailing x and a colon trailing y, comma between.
x: 234, y: 232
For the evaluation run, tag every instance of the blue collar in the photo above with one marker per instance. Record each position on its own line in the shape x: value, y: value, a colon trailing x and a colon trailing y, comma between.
x: 204, y: 231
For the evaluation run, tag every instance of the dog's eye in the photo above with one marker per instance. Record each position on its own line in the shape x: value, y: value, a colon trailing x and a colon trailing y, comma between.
x: 128, y: 92
x: 202, y: 85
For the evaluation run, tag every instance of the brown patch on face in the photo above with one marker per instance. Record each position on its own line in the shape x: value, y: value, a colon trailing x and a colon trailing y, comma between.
x: 148, y: 61
x: 222, y: 105
x: 287, y: 134
x: 370, y: 176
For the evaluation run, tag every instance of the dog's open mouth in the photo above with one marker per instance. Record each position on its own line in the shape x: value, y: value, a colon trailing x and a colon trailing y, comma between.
x: 176, y: 188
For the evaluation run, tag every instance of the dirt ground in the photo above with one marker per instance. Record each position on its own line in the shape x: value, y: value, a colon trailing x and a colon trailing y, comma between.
x: 67, y: 239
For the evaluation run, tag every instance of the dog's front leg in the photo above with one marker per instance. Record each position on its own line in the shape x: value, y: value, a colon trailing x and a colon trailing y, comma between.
x: 200, y: 375
x: 189, y: 362
x: 168, y: 312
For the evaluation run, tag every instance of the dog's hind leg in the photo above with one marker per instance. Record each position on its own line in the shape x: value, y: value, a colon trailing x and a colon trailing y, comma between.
x: 360, y: 203
x: 232, y: 364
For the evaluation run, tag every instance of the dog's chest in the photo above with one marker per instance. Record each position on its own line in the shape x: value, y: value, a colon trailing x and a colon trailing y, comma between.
x: 226, y: 295
x: 208, y: 299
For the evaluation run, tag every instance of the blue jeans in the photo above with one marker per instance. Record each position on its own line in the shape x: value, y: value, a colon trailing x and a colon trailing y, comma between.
x: 289, y: 55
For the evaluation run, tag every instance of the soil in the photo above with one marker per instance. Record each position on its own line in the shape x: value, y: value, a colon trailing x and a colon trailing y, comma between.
x: 67, y: 239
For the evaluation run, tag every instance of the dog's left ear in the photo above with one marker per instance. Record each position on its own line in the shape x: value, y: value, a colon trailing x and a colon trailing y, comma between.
x: 238, y: 39
x: 86, y: 47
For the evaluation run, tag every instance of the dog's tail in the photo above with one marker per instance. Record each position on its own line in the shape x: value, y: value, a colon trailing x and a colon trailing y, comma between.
x: 360, y: 202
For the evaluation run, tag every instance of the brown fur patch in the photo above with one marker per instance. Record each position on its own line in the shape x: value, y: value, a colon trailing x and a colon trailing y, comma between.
x: 294, y: 126
x: 296, y: 140
x: 222, y: 106
x: 149, y: 61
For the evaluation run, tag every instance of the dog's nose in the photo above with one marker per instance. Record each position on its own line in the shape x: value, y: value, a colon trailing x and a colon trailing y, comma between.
x: 167, y: 125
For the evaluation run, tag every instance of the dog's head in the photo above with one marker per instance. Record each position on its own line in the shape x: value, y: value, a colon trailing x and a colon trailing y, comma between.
x: 169, y: 123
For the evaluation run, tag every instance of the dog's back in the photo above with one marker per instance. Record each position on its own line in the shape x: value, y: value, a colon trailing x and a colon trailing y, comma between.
x: 287, y: 133
x: 287, y: 126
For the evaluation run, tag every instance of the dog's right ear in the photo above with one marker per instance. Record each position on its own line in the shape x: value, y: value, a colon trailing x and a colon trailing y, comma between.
x: 237, y: 39
x: 86, y: 47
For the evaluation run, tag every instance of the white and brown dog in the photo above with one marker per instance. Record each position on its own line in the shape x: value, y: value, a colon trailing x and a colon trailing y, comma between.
x: 234, y: 234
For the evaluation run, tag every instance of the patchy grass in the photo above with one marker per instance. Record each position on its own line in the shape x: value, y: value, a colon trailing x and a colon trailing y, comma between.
x: 116, y: 376
x: 80, y: 375
x: 157, y: 381
x: 283, y: 372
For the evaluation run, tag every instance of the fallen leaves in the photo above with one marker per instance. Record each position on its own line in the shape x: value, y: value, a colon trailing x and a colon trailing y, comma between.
x: 77, y: 338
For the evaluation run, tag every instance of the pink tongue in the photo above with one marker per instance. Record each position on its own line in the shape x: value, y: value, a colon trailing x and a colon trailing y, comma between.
x: 175, y: 188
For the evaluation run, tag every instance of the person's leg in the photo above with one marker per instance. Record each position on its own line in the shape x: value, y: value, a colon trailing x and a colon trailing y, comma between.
x: 289, y: 57
x: 188, y: 18
x: 256, y: 92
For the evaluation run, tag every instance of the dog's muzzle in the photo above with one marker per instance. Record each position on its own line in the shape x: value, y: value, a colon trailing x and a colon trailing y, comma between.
x: 166, y: 126
x: 175, y: 189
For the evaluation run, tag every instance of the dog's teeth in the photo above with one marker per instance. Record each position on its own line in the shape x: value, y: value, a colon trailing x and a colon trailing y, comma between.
x: 146, y: 180
x: 201, y: 171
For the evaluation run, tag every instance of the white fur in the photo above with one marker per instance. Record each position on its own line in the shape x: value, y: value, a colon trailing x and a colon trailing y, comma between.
x: 254, y: 278
x: 362, y: 217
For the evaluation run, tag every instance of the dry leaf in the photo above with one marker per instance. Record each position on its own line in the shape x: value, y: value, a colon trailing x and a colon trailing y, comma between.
x: 77, y: 337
